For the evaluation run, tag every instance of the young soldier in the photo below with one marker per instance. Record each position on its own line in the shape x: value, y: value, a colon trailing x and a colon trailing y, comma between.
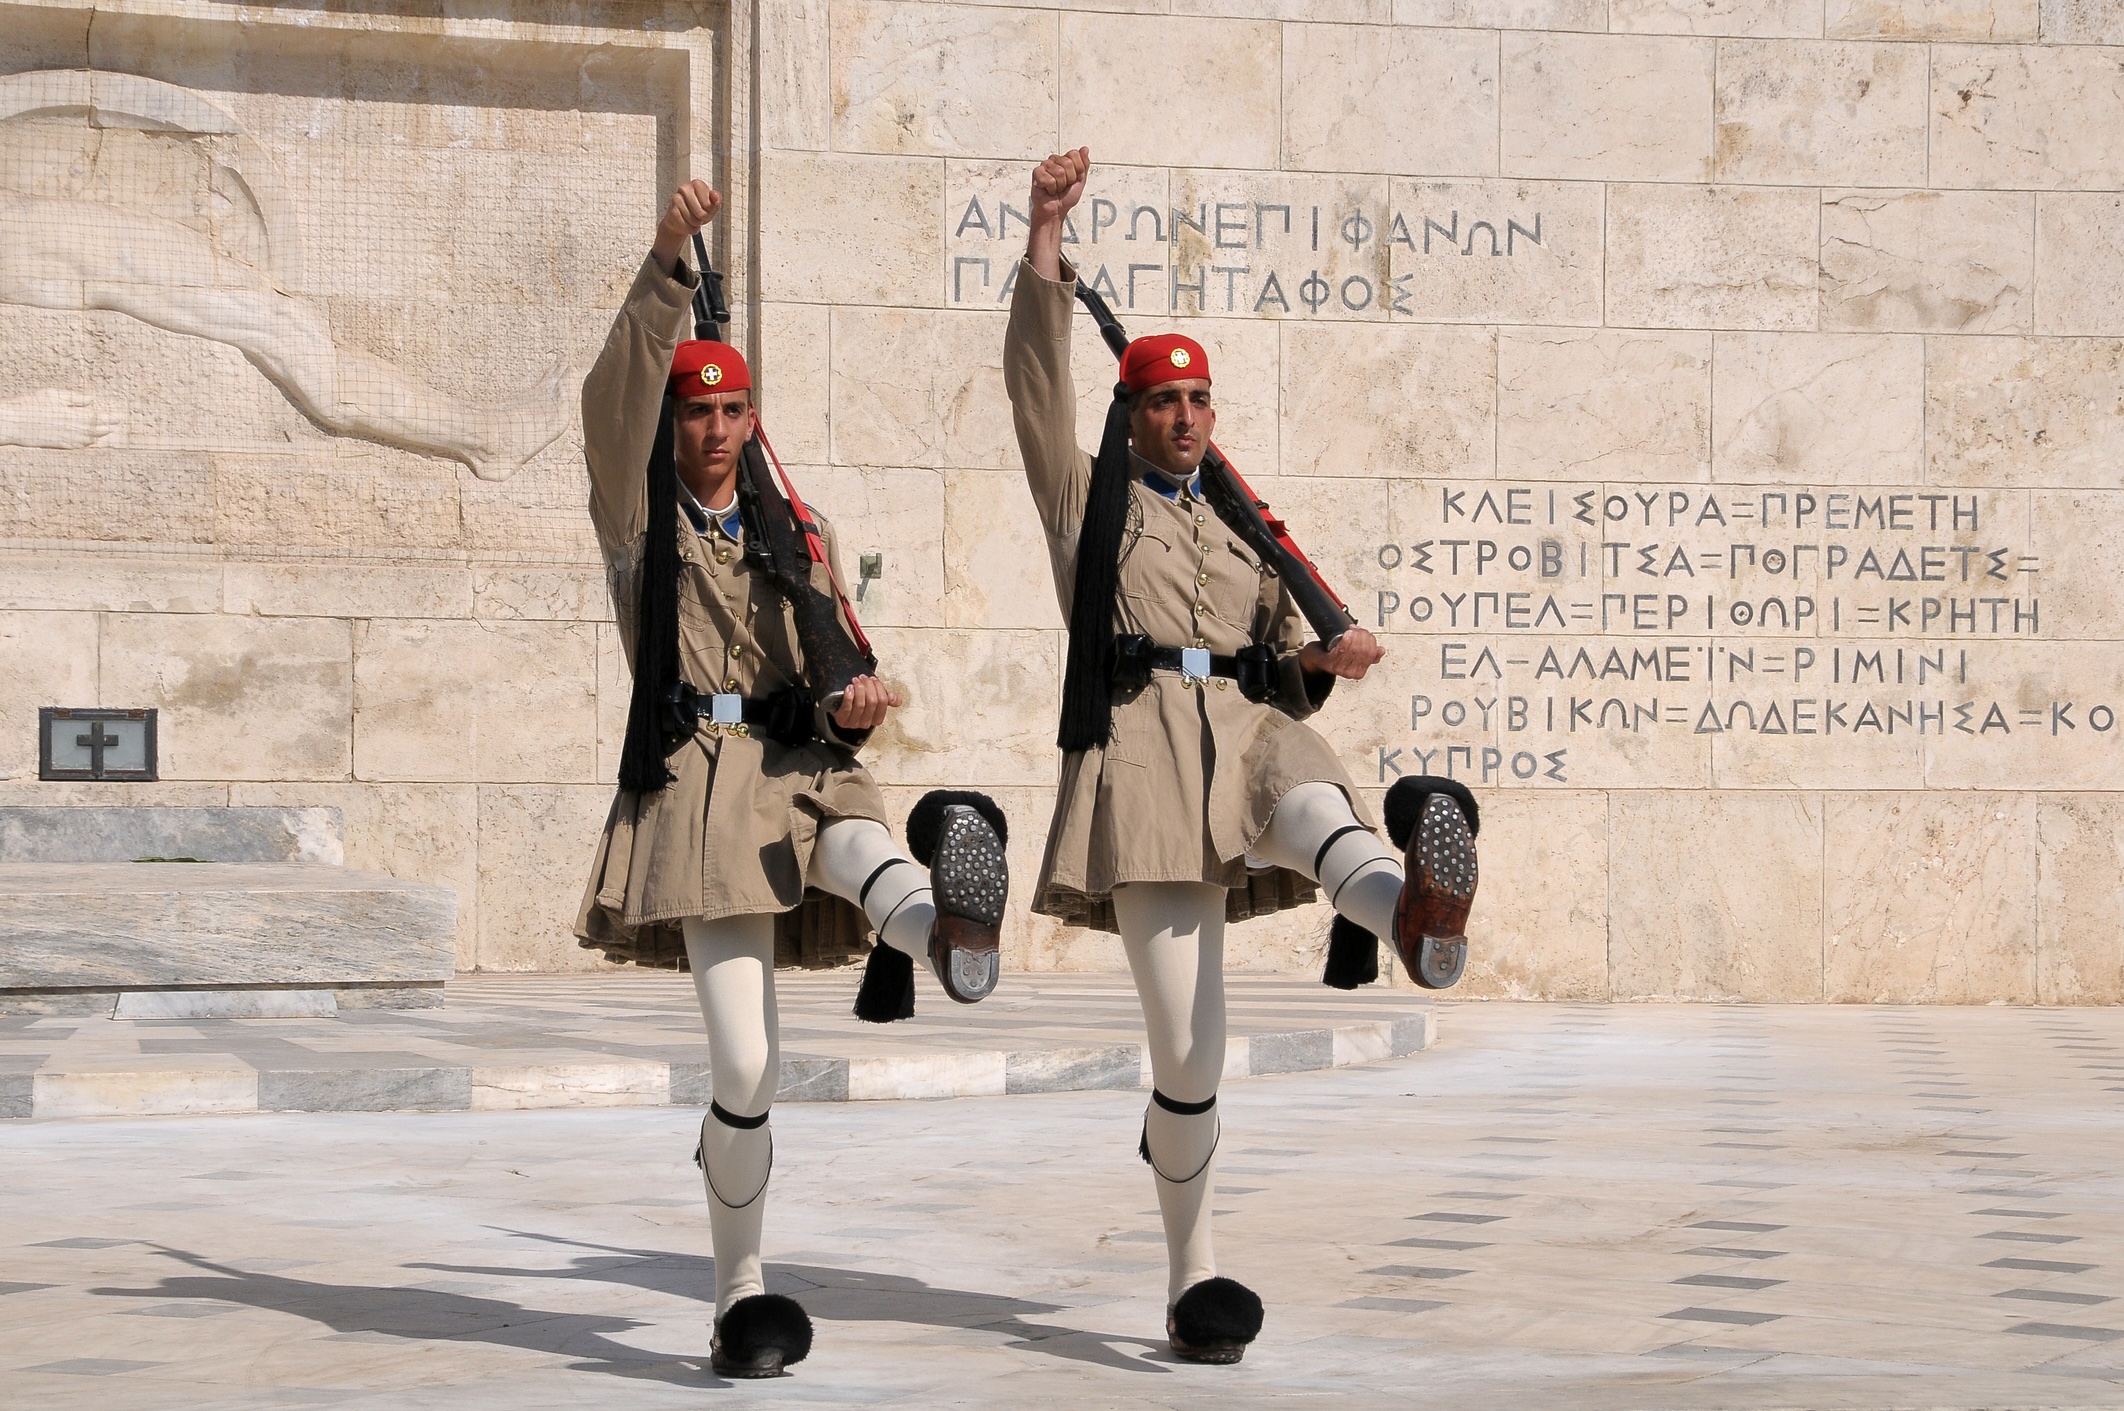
x: 1190, y: 793
x: 742, y: 810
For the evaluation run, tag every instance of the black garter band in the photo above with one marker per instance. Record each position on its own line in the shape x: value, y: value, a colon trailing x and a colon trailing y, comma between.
x: 880, y: 870
x: 1183, y: 1109
x: 728, y: 1118
x: 1333, y: 838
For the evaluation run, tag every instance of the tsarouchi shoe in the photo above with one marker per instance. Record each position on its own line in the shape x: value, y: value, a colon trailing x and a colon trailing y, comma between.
x: 1213, y: 1322
x: 1434, y: 822
x: 960, y: 836
x: 761, y: 1336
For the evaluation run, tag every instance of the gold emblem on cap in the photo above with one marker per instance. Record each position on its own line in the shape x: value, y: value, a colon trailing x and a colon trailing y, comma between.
x: 1180, y: 357
x: 710, y: 375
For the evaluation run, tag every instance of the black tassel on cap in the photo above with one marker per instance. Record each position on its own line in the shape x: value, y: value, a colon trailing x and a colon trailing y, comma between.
x: 1088, y: 680
x: 656, y: 634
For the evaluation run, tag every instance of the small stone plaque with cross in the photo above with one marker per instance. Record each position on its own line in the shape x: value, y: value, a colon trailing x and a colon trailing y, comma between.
x: 87, y: 743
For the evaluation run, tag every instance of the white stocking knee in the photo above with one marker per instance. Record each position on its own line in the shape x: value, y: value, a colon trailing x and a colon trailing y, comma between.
x: 857, y: 860
x: 1315, y: 832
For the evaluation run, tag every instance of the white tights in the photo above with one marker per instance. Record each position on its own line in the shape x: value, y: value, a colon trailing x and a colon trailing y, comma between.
x: 733, y: 974
x: 1173, y: 933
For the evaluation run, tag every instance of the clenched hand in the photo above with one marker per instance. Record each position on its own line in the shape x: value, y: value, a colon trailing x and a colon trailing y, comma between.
x: 1355, y: 652
x: 864, y: 703
x: 692, y: 207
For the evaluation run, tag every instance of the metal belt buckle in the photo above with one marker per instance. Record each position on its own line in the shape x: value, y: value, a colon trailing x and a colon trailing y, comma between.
x: 726, y: 710
x: 1195, y: 663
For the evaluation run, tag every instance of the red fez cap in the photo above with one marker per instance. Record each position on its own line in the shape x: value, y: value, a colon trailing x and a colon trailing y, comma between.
x: 1163, y: 357
x: 701, y: 368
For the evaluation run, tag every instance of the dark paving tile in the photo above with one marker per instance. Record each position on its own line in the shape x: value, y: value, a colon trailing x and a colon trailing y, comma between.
x: 1726, y: 1281
x: 1748, y: 1227
x: 1420, y: 1243
x: 8, y: 1288
x: 2021, y: 1214
x: 92, y: 1366
x: 1741, y: 1184
x: 1712, y: 1251
x: 2054, y: 1296
x: 2067, y: 1330
x: 1746, y: 1146
x: 1722, y: 1315
x: 2028, y: 1236
x: 1393, y: 1305
x: 1417, y: 1271
x: 1457, y: 1217
x: 2043, y: 1266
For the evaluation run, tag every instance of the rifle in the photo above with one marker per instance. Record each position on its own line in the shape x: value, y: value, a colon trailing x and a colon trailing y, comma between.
x: 782, y: 538
x: 1246, y: 513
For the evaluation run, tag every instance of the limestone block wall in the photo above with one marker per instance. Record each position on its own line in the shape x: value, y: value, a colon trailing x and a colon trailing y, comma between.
x: 1718, y: 410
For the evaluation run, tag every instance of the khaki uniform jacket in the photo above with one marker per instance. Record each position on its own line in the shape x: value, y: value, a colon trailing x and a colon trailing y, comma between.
x: 733, y: 835
x: 1192, y: 771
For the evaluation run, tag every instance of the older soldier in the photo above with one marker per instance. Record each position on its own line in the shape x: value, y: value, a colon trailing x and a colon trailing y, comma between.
x: 1190, y: 793
x: 742, y: 810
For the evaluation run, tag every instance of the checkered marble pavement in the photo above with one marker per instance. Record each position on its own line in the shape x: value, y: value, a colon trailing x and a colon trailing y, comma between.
x: 634, y: 1040
x: 1597, y: 1208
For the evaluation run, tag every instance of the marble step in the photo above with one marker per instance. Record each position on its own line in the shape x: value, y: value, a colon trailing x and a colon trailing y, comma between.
x: 73, y: 936
x: 94, y: 833
x: 228, y: 1083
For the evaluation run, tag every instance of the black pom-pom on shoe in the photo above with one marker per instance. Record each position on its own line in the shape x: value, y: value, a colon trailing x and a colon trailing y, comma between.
x: 1404, y: 805
x: 887, y: 991
x: 1352, y: 956
x: 925, y: 825
x: 1214, y: 1321
x: 760, y: 1337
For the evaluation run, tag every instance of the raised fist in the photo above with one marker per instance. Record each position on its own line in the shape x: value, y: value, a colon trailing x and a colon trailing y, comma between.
x: 692, y: 206
x: 1058, y: 184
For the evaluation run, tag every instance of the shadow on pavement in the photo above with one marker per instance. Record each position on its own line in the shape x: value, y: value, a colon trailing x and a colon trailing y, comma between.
x: 840, y: 1296
x: 432, y: 1316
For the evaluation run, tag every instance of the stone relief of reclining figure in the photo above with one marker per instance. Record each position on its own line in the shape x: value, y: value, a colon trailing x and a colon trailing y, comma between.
x: 72, y: 255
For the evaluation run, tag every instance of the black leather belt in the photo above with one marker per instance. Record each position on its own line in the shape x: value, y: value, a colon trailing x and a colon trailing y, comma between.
x: 1136, y: 656
x: 1175, y: 659
x: 785, y: 717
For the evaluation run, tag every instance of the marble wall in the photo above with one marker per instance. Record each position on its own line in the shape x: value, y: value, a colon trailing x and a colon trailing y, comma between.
x: 1716, y: 408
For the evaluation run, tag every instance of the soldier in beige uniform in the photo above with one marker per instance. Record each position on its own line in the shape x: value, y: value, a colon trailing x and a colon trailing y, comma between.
x: 743, y: 816
x: 1190, y: 795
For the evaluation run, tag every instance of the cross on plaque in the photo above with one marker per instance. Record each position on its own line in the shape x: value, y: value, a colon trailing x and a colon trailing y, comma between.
x: 97, y: 741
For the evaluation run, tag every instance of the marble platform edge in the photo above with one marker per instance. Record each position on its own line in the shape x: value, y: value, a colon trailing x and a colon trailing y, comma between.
x: 101, y: 1001
x: 232, y: 1087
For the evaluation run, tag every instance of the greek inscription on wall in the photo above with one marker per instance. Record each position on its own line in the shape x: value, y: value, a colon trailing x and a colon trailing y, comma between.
x: 1317, y: 259
x: 1547, y: 619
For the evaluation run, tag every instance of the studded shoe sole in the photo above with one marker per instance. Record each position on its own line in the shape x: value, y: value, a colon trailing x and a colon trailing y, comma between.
x: 1431, y: 916
x: 971, y: 880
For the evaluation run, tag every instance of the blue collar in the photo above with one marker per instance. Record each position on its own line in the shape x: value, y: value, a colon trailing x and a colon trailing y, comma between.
x: 729, y: 521
x: 1161, y: 484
